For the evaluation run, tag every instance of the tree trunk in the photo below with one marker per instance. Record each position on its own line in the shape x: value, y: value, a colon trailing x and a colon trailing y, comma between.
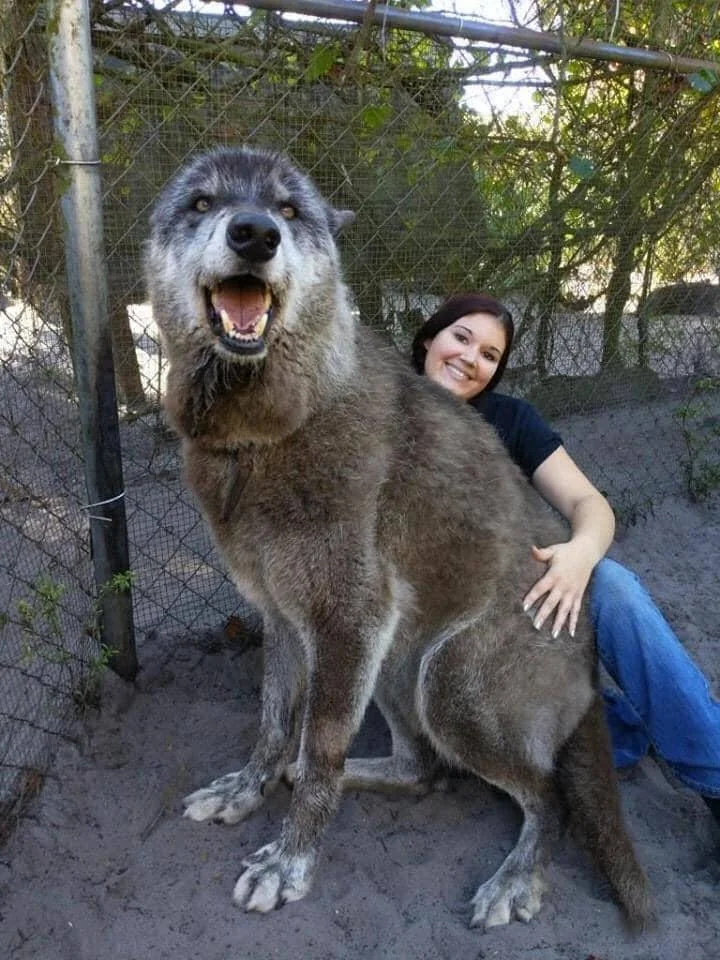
x: 643, y: 321
x: 36, y: 251
x: 36, y: 255
x: 618, y: 292
x: 127, y: 371
x: 549, y: 294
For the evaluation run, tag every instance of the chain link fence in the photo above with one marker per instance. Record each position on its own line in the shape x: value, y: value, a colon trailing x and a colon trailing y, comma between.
x: 46, y: 605
x: 580, y: 190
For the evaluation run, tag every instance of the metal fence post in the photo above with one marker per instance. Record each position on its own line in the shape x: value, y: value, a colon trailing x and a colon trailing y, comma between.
x: 71, y: 80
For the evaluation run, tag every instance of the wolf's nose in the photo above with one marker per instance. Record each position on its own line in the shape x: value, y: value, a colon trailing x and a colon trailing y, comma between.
x: 253, y: 236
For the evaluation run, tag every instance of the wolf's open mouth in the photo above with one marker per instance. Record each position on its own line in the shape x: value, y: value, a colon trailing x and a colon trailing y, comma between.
x: 239, y: 311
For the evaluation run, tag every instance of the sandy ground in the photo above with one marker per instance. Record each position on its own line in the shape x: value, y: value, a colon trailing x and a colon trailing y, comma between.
x: 104, y: 866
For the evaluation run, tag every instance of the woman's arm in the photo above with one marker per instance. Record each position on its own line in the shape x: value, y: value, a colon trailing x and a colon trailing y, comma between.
x: 561, y: 482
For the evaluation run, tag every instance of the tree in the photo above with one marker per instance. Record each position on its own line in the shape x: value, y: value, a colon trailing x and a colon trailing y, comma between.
x: 31, y: 228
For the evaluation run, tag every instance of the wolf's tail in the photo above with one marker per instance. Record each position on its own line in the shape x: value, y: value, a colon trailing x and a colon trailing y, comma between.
x: 586, y: 777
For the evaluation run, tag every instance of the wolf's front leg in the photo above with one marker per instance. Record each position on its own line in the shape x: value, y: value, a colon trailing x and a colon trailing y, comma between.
x: 347, y: 662
x: 235, y: 796
x: 283, y: 871
x: 413, y: 766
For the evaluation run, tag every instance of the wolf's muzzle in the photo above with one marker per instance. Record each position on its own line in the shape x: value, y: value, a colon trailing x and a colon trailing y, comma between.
x: 253, y: 236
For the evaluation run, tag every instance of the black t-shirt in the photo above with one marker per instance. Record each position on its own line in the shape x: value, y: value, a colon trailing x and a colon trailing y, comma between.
x: 529, y: 440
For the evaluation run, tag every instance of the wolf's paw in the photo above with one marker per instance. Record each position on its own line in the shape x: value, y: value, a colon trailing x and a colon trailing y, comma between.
x: 503, y: 899
x: 272, y: 878
x: 228, y: 799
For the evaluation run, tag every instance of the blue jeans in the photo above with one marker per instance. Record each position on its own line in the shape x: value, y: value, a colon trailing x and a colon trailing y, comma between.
x: 665, y: 700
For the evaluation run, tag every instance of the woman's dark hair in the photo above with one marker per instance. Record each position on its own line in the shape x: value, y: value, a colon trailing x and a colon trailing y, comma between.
x: 454, y: 309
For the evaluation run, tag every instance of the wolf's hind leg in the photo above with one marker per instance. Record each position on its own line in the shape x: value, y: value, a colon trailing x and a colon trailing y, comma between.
x: 393, y: 774
x: 477, y: 726
x: 515, y: 890
x: 382, y: 774
x: 411, y: 767
x: 385, y: 774
x: 236, y: 795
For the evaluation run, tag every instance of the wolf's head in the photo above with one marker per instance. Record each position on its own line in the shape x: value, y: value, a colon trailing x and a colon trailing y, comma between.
x: 241, y: 249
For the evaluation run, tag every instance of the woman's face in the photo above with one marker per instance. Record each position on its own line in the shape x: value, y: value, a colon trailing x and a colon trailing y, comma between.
x: 463, y: 357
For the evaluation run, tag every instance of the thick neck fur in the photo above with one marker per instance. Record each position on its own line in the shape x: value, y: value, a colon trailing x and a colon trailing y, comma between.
x: 225, y: 403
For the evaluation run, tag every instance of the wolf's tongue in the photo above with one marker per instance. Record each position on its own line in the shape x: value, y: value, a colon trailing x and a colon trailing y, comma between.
x: 244, y: 306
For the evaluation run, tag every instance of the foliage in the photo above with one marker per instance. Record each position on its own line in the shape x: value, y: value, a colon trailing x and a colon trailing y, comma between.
x: 38, y: 616
x: 620, y: 161
x: 41, y: 638
x: 701, y: 435
x: 120, y: 582
x: 611, y: 175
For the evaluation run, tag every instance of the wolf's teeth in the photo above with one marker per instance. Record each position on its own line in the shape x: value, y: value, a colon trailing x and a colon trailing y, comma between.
x: 232, y: 331
x: 236, y: 334
x: 227, y: 323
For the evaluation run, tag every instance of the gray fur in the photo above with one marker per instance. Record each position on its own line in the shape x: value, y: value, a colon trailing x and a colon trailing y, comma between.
x: 385, y: 535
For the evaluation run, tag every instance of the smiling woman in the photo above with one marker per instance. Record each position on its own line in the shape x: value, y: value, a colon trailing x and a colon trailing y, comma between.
x: 465, y: 344
x: 465, y: 355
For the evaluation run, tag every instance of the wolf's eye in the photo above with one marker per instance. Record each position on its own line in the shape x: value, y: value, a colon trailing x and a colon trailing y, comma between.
x: 202, y: 204
x: 288, y: 211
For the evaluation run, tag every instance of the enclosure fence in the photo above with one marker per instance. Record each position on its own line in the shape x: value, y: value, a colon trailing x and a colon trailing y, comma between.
x: 567, y: 164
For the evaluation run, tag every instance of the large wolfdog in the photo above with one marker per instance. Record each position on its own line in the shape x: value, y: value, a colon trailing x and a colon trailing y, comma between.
x: 383, y: 532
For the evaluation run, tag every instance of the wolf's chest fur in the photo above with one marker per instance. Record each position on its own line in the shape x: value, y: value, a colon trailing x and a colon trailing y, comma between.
x: 279, y: 512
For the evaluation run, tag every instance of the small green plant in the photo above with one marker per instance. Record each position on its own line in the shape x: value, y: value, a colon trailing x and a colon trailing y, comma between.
x: 48, y: 596
x: 701, y: 436
x: 87, y: 693
x: 120, y: 582
x: 26, y: 613
x: 39, y: 621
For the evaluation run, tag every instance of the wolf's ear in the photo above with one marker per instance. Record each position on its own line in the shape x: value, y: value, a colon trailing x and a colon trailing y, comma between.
x: 339, y: 219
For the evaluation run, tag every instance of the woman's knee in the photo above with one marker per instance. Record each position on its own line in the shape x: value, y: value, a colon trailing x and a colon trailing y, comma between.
x: 616, y: 598
x: 612, y: 583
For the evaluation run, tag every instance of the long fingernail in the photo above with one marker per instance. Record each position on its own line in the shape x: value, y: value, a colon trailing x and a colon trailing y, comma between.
x: 526, y: 607
x: 555, y: 634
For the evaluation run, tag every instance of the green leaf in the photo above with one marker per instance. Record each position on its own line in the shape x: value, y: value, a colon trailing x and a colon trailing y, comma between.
x: 703, y: 81
x: 322, y: 61
x: 445, y: 144
x: 375, y: 115
x: 582, y: 167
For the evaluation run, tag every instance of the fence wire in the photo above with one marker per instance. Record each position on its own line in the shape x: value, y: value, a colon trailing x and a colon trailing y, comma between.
x: 579, y: 191
x: 46, y: 606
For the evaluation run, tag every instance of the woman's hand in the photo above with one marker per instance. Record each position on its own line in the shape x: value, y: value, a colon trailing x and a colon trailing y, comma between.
x: 563, y: 585
x: 560, y: 481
